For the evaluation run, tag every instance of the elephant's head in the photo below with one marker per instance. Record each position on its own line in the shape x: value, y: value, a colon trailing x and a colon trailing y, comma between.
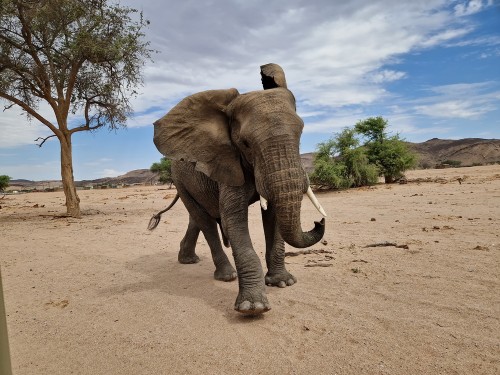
x: 233, y: 137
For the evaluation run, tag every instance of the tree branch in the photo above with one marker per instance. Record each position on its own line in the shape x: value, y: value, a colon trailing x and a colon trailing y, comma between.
x: 71, y: 83
x: 26, y: 33
x: 31, y: 112
x: 43, y: 139
x: 88, y: 118
x: 8, y: 106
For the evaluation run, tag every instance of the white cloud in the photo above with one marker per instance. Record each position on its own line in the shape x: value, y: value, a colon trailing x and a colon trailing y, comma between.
x: 485, y: 40
x: 471, y: 7
x: 471, y: 100
x: 17, y: 130
x: 445, y: 36
x: 452, y: 109
x: 336, y: 55
x: 387, y: 76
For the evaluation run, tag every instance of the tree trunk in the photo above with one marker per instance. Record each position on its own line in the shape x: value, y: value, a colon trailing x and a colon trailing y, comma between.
x: 72, y: 199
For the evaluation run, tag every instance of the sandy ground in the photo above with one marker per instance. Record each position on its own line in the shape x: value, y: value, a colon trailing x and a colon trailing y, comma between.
x: 102, y: 295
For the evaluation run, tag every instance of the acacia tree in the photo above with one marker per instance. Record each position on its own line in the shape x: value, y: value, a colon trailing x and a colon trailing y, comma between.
x: 82, y: 57
x: 4, y: 182
x: 164, y: 170
x: 389, y: 153
x: 340, y: 163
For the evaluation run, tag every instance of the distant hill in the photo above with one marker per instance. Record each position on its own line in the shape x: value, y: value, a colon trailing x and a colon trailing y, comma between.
x: 138, y: 176
x: 432, y: 153
x: 468, y: 151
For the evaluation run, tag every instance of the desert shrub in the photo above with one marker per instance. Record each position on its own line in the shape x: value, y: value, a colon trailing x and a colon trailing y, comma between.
x: 4, y: 182
x: 389, y: 153
x: 164, y: 170
x: 340, y: 163
x: 329, y: 174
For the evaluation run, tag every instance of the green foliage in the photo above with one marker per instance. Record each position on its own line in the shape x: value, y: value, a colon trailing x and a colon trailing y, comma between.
x: 164, y: 169
x: 79, y: 56
x: 372, y: 128
x: 330, y: 174
x: 4, y: 182
x: 340, y: 163
x: 389, y: 154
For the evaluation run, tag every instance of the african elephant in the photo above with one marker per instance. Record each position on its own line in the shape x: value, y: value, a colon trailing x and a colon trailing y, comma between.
x: 230, y: 150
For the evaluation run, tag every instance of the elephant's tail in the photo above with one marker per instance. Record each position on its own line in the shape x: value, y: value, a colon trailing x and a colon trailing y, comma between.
x: 155, y: 220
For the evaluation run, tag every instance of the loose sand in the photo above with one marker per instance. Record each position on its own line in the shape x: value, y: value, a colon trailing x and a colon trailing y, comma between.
x: 102, y: 295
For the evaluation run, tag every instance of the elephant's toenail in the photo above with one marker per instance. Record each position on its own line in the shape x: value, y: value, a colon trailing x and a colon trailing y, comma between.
x: 246, y: 305
x: 259, y: 306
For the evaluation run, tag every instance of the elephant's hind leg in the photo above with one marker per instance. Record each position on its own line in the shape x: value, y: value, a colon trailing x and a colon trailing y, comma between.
x: 187, y: 254
x: 199, y: 219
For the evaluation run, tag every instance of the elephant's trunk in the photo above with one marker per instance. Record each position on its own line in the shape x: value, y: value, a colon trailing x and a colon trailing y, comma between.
x: 287, y: 209
x: 284, y: 185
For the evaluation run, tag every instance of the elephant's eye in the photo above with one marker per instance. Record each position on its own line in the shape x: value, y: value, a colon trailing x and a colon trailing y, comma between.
x: 245, y: 143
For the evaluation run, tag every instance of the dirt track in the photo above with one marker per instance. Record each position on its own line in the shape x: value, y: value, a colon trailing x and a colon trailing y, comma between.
x: 102, y: 295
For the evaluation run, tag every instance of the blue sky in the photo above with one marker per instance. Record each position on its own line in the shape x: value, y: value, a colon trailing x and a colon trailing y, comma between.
x: 431, y: 68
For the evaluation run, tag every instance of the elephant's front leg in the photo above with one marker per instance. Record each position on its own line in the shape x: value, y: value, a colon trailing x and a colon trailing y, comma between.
x: 252, y: 297
x: 277, y: 274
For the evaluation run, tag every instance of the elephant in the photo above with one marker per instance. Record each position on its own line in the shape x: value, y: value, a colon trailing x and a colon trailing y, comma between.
x: 228, y: 151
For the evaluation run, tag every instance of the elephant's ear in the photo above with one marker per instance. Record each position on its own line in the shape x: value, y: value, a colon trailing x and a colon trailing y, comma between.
x: 197, y: 130
x: 272, y: 76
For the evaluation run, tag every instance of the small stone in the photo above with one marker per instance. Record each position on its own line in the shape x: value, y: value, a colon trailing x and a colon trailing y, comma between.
x: 373, y: 219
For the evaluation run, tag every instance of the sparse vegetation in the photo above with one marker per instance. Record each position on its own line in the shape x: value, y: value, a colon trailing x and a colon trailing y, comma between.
x: 342, y: 162
x: 4, y: 182
x: 389, y: 153
x: 164, y: 170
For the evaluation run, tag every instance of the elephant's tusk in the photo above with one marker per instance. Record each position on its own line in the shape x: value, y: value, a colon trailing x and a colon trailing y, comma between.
x: 314, y: 201
x: 263, y: 203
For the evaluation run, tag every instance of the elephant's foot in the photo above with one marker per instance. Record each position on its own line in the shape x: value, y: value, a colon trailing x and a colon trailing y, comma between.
x: 281, y: 280
x: 252, y: 303
x: 225, y: 273
x: 188, y: 259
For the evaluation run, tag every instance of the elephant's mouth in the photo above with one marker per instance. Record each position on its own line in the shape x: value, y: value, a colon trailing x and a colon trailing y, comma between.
x: 310, y: 195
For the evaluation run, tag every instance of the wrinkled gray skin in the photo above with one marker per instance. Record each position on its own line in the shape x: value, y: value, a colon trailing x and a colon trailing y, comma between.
x: 227, y: 149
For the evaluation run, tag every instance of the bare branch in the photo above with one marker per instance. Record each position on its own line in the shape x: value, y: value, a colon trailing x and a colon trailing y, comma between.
x: 31, y: 112
x: 43, y: 139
